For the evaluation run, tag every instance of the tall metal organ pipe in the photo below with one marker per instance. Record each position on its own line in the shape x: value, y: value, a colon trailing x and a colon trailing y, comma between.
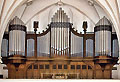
x: 103, y: 33
x: 17, y: 33
x: 60, y: 29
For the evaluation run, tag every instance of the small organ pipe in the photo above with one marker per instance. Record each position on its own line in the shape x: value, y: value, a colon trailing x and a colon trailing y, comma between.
x: 56, y: 17
x: 63, y: 35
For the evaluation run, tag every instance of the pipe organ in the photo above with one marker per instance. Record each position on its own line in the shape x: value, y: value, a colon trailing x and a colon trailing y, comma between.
x: 60, y: 52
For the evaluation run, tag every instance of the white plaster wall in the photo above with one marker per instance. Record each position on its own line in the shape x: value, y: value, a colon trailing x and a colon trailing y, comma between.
x: 4, y: 72
x: 118, y: 71
x: 114, y: 74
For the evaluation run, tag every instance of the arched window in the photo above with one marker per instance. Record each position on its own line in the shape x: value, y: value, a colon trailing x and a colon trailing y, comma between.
x: 30, y: 67
x: 89, y: 67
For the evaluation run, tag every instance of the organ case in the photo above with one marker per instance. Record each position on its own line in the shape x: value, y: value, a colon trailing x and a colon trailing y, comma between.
x: 60, y: 51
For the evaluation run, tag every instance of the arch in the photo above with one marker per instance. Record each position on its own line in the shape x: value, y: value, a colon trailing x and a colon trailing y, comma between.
x: 64, y: 4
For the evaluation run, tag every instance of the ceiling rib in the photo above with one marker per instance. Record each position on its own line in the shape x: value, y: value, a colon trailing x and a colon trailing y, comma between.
x: 64, y: 4
x: 111, y: 9
x: 2, y: 10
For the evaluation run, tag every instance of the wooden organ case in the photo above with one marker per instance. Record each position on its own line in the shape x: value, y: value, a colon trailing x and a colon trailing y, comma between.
x: 60, y: 52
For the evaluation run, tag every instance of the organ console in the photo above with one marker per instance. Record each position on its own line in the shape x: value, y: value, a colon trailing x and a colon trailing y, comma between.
x: 60, y: 51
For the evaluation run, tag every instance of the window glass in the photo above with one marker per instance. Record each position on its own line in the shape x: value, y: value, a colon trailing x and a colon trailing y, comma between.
x: 35, y: 66
x: 46, y: 66
x: 59, y: 66
x: 78, y: 67
x: 72, y: 66
x: 84, y: 67
x: 41, y: 67
x: 54, y: 66
x: 30, y: 67
x: 65, y: 66
x: 89, y: 67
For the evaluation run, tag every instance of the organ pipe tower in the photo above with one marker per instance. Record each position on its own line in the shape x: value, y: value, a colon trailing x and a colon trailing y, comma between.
x: 103, y: 33
x: 17, y: 34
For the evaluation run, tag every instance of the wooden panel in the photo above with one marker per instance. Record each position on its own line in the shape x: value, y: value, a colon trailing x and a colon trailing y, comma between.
x: 47, y: 76
x: 29, y: 74
x: 90, y: 74
x: 72, y: 76
x: 35, y: 73
x: 11, y: 71
x: 98, y: 74
x: 80, y: 73
x: 106, y: 74
x: 84, y: 74
x: 20, y: 73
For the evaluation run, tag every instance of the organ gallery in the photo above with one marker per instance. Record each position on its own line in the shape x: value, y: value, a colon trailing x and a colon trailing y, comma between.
x: 60, y: 51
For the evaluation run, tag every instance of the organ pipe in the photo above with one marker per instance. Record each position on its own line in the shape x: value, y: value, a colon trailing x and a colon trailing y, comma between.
x: 103, y: 32
x: 4, y: 48
x: 17, y: 32
x: 30, y: 47
x: 59, y: 29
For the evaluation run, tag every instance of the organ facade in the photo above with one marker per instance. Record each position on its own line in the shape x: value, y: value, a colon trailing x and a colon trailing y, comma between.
x: 60, y: 52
